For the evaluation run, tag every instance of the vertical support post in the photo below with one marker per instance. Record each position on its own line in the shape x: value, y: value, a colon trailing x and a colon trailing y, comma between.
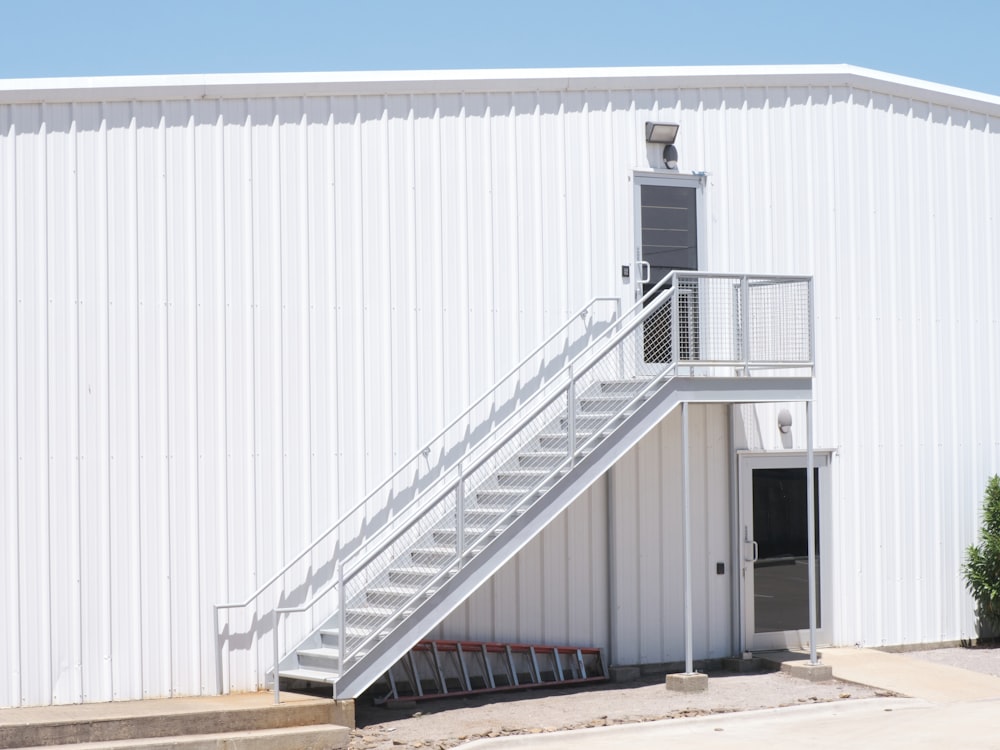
x: 571, y: 416
x: 745, y: 316
x: 621, y: 348
x: 674, y: 349
x: 812, y: 326
x: 735, y: 544
x: 610, y: 485
x: 460, y: 515
x: 686, y: 523
x: 274, y: 642
x: 811, y: 530
x: 342, y: 618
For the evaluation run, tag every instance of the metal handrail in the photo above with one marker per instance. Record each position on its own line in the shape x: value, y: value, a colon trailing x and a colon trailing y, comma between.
x: 642, y: 315
x: 582, y: 312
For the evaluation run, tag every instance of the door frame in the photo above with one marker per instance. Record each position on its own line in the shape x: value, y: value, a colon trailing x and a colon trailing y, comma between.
x: 675, y: 179
x: 747, y: 461
x: 640, y: 178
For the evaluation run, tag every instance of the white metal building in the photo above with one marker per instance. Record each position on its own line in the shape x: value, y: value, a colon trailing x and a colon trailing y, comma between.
x: 230, y: 306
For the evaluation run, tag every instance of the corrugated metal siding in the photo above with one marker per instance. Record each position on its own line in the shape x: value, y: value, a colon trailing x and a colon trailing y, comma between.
x: 648, y: 542
x: 898, y: 223
x: 224, y: 320
x: 555, y: 591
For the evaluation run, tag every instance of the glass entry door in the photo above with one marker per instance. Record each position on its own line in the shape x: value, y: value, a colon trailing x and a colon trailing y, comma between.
x: 774, y: 544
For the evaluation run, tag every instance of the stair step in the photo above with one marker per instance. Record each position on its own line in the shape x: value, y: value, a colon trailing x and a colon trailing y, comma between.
x: 432, y: 552
x: 527, y: 478
x: 471, y: 532
x: 323, y: 658
x: 395, y: 593
x: 541, y: 458
x: 354, y: 633
x: 556, y: 440
x: 330, y: 638
x: 624, y: 386
x: 309, y: 675
x: 606, y: 403
x: 415, y: 573
x: 501, y: 496
x: 592, y: 419
x: 489, y: 513
x: 372, y: 612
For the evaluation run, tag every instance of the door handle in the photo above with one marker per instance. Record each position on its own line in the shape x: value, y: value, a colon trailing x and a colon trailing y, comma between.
x: 644, y: 278
x: 753, y: 558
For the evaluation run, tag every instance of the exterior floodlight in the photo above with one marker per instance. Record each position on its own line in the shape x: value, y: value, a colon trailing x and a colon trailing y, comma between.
x: 661, y: 132
x: 784, y: 421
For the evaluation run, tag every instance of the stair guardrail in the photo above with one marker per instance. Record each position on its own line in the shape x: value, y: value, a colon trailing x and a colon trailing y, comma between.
x: 703, y: 321
x: 582, y: 314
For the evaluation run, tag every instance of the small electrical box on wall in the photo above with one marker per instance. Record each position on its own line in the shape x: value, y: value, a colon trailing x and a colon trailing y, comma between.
x: 626, y: 272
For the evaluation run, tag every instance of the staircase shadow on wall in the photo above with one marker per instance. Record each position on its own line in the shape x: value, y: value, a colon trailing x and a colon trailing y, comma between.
x: 439, y: 464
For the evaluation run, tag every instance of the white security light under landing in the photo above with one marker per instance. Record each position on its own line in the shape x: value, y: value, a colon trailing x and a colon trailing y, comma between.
x: 665, y: 133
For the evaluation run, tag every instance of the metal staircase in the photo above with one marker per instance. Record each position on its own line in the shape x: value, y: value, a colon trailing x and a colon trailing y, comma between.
x: 425, y: 540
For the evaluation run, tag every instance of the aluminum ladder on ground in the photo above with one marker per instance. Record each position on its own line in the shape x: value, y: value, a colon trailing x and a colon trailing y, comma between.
x: 441, y: 669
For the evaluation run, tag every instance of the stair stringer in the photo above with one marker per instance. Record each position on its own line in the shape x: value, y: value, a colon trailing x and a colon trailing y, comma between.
x: 543, y: 511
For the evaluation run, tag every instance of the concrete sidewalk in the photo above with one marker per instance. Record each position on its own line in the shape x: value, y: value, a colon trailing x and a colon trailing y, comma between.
x: 938, y: 683
x: 886, y: 723
x: 946, y: 707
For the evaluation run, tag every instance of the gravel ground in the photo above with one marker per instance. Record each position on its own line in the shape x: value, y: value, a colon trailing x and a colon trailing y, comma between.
x: 437, y: 725
x: 984, y: 659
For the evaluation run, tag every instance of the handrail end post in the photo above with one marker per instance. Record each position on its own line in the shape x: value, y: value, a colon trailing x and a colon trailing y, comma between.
x: 275, y: 615
x: 219, y: 682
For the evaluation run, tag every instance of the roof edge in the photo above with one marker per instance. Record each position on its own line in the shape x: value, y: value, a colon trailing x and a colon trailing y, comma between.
x: 256, y: 85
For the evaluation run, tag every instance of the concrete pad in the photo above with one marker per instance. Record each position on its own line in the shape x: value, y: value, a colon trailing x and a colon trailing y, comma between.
x: 168, y: 717
x: 938, y: 683
x: 687, y: 682
x: 807, y: 671
x: 325, y: 737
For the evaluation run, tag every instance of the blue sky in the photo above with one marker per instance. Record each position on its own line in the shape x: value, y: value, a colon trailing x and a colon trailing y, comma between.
x: 953, y: 43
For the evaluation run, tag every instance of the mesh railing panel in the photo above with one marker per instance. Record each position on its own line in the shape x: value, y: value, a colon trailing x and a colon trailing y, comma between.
x: 779, y: 321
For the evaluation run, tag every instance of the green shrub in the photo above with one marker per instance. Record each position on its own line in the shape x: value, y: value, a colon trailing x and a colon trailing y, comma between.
x: 982, y: 561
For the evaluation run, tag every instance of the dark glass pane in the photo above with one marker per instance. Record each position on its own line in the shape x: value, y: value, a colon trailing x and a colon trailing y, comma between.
x: 669, y: 236
x: 669, y: 229
x: 781, y: 573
